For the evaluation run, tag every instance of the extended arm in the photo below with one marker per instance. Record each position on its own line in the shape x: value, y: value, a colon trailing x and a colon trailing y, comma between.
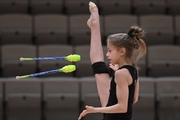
x: 122, y: 79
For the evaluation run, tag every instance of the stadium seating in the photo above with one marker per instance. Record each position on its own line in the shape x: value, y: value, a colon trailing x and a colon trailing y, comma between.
x: 50, y: 29
x: 159, y: 29
x: 83, y: 67
x: 163, y: 60
x: 11, y: 64
x: 14, y: 6
x: 77, y: 6
x: 168, y: 94
x: 149, y: 7
x: 173, y: 7
x: 23, y: 99
x: 61, y: 97
x: 16, y: 28
x: 1, y: 100
x: 115, y: 7
x: 177, y: 29
x: 115, y: 23
x: 47, y: 28
x: 79, y: 31
x: 46, y: 6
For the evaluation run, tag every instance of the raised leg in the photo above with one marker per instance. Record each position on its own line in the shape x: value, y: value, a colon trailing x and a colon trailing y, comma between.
x: 96, y: 53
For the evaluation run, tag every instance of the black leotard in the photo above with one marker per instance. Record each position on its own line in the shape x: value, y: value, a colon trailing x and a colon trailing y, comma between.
x: 113, y: 98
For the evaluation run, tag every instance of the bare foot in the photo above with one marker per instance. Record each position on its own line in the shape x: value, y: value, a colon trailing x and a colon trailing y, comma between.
x: 92, y: 7
x: 94, y: 17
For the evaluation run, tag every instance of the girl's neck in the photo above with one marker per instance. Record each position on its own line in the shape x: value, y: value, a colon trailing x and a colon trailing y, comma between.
x: 125, y: 62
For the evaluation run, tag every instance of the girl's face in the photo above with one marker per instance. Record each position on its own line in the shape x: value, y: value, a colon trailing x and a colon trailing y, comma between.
x: 113, y: 54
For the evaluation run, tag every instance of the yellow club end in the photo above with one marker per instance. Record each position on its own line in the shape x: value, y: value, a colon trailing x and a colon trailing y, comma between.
x: 73, y: 58
x: 68, y: 68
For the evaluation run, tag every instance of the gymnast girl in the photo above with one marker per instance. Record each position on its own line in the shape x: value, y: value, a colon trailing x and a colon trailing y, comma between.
x: 124, y: 50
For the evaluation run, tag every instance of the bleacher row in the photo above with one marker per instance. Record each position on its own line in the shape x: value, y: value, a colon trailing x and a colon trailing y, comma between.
x: 81, y: 6
x: 73, y: 30
x: 63, y: 98
x: 161, y: 60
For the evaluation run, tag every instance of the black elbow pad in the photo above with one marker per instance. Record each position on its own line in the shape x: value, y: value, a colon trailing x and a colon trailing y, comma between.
x: 100, y: 67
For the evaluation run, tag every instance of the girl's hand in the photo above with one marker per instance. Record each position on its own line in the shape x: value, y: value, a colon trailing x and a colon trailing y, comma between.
x: 114, y: 67
x: 89, y: 109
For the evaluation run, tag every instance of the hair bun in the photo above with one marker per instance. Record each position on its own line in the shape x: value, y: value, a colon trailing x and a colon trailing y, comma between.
x: 136, y: 32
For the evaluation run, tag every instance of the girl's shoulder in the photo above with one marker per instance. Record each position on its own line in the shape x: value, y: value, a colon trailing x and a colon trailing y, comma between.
x: 122, y: 73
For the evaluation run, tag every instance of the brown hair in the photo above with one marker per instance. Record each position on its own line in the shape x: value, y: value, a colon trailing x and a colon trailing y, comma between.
x: 131, y: 41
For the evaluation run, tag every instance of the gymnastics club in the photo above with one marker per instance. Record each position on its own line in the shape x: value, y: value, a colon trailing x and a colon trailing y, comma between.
x: 71, y: 58
x: 65, y: 69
